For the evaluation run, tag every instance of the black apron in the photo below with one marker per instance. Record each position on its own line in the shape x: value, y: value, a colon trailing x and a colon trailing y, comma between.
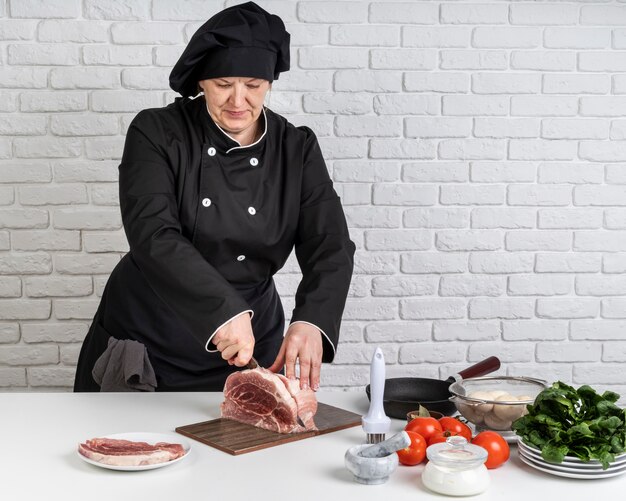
x: 180, y: 362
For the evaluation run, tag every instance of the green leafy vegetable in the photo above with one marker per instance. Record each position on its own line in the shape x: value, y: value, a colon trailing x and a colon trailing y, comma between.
x: 564, y: 421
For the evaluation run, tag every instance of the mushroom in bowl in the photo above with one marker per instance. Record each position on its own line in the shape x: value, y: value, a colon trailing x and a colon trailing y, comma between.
x: 494, y: 402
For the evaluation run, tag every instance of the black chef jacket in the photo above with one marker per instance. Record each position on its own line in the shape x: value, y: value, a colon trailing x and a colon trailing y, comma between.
x: 209, y: 222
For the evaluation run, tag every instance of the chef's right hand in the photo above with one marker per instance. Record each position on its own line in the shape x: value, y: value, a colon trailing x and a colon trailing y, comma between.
x: 235, y: 340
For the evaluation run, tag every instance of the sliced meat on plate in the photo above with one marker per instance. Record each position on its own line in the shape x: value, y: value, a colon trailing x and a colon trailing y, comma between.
x: 117, y: 452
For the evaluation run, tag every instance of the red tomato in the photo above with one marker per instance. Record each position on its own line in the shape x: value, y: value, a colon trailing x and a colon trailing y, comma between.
x: 425, y: 426
x: 415, y: 452
x: 438, y: 437
x: 496, y: 447
x: 455, y: 427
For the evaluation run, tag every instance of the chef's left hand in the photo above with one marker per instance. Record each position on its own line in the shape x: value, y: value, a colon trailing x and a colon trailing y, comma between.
x: 302, y: 342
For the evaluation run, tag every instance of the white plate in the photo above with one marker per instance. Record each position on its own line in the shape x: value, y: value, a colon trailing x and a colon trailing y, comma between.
x: 151, y: 438
x: 578, y: 468
x: 567, y: 464
x: 619, y: 459
x: 567, y: 474
x: 593, y: 464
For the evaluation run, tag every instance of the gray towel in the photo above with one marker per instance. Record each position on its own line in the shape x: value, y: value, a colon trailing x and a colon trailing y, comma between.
x: 124, y: 366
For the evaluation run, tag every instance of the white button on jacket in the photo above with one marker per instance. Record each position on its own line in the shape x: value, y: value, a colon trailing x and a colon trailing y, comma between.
x: 252, y: 210
x: 241, y: 258
x: 211, y: 151
x: 206, y: 202
x: 254, y: 162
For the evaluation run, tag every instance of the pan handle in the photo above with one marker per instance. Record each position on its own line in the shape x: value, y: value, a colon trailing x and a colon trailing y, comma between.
x: 483, y: 367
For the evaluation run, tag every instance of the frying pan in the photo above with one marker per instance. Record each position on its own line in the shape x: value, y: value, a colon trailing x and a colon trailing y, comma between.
x: 405, y: 394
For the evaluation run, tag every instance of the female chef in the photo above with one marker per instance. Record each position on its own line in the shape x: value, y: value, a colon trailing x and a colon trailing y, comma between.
x: 215, y: 192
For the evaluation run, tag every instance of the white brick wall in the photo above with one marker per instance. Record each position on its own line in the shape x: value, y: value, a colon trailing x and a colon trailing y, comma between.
x: 479, y: 149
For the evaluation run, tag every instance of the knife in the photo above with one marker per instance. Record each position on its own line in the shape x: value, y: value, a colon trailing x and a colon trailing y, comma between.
x: 252, y: 364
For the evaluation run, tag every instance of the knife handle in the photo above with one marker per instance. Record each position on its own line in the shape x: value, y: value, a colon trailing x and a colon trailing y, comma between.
x: 252, y: 363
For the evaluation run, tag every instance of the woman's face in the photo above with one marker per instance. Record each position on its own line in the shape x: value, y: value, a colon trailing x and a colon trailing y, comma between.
x: 235, y: 103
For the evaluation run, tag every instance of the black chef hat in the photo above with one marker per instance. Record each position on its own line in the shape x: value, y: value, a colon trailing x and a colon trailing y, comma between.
x: 241, y: 41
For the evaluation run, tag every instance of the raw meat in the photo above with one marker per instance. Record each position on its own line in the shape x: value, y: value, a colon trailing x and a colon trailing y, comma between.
x: 128, y: 453
x: 267, y: 400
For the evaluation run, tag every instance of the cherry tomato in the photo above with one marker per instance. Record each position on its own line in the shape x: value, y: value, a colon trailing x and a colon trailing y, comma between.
x: 496, y: 447
x: 425, y: 426
x: 455, y: 427
x: 415, y: 452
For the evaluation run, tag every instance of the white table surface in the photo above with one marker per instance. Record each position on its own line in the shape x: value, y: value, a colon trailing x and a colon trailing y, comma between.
x: 40, y: 432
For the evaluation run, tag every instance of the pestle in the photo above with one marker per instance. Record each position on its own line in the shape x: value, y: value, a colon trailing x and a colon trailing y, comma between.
x: 387, y: 447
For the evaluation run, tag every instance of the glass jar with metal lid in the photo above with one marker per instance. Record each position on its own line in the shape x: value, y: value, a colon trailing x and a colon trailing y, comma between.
x: 456, y: 468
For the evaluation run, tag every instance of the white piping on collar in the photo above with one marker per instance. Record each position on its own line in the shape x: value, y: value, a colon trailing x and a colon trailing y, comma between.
x: 230, y: 137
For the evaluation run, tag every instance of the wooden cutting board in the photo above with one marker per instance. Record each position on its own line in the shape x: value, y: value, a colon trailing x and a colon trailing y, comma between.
x: 239, y: 438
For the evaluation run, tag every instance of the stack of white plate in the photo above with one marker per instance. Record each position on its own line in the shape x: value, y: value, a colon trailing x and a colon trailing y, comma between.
x: 571, y: 467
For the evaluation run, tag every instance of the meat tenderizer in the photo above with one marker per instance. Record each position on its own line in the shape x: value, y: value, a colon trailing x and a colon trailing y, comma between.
x: 376, y: 423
